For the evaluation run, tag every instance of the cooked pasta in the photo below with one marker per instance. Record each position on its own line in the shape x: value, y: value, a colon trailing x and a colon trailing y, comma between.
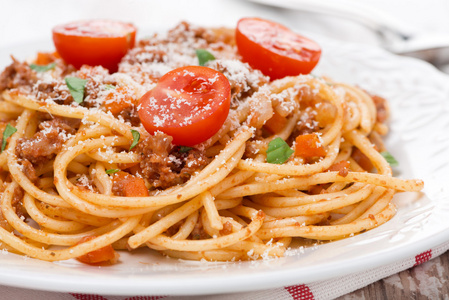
x: 83, y: 175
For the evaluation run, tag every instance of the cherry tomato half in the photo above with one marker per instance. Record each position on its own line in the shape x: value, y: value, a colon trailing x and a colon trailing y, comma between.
x: 274, y: 49
x: 188, y: 103
x: 96, y: 42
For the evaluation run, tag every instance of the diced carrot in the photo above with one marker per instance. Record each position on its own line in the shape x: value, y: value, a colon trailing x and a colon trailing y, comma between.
x: 342, y: 167
x: 309, y: 145
x: 129, y: 185
x: 362, y: 159
x: 118, y: 100
x: 105, y: 254
x: 276, y: 123
x: 44, y: 58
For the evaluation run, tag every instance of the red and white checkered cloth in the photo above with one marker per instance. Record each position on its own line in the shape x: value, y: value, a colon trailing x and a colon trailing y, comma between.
x: 328, y: 289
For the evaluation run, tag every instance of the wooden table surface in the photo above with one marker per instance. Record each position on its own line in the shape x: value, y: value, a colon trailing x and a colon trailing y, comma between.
x: 429, y: 280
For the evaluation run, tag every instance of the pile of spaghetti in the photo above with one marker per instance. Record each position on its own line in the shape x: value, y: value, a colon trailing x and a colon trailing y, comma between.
x: 81, y: 176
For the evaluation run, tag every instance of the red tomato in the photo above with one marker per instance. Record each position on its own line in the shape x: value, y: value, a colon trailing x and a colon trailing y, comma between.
x: 93, y: 43
x: 103, y: 255
x: 188, y: 103
x: 274, y: 49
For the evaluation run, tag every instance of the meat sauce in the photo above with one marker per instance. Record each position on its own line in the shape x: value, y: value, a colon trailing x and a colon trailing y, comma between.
x: 162, y: 164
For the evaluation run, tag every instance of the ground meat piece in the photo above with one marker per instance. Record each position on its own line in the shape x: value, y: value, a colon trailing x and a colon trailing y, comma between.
x: 227, y: 228
x: 57, y: 91
x: 46, y: 142
x: 244, y: 80
x: 381, y: 108
x: 305, y: 125
x: 184, y: 31
x: 153, y: 57
x: 198, y: 232
x: 17, y: 203
x: 144, y: 54
x: 29, y: 171
x: 85, y: 183
x: 96, y: 77
x: 17, y: 74
x: 129, y: 114
x: 174, y: 229
x: 91, y: 91
x: 4, y: 223
x: 164, y: 165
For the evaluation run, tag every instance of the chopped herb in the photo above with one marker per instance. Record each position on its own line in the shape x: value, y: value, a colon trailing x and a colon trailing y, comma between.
x: 390, y: 158
x: 112, y: 171
x: 204, y: 56
x: 184, y: 149
x: 39, y: 68
x: 278, y: 151
x: 109, y: 87
x: 136, y: 138
x: 76, y: 87
x: 9, y: 130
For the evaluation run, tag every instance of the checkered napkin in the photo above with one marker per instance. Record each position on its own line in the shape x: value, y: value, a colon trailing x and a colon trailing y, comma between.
x: 328, y: 289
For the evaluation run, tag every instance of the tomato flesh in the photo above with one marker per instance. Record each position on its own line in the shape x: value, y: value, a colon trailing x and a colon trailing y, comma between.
x: 274, y: 49
x: 96, y: 42
x: 189, y: 103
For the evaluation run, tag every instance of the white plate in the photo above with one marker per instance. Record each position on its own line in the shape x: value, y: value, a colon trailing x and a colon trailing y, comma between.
x: 419, y: 139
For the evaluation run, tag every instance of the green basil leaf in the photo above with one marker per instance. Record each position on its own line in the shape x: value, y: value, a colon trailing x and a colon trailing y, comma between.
x: 390, y: 158
x: 109, y: 87
x: 204, y: 56
x: 39, y: 68
x: 278, y: 151
x: 9, y: 130
x: 184, y: 149
x: 112, y: 171
x: 136, y: 138
x: 76, y: 87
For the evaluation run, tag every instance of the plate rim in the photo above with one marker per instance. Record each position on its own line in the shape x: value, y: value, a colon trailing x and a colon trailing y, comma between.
x: 190, y: 286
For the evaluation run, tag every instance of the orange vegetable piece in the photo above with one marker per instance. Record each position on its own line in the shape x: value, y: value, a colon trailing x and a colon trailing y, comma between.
x: 118, y: 100
x: 309, y: 145
x: 276, y: 123
x: 129, y: 185
x: 106, y: 254
x: 44, y: 58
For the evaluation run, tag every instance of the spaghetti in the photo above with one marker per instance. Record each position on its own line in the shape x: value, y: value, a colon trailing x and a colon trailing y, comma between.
x: 77, y: 170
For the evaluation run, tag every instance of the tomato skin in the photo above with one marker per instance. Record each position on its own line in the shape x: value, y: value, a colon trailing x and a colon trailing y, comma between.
x: 95, y: 42
x: 274, y: 49
x: 189, y: 103
x: 106, y: 254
